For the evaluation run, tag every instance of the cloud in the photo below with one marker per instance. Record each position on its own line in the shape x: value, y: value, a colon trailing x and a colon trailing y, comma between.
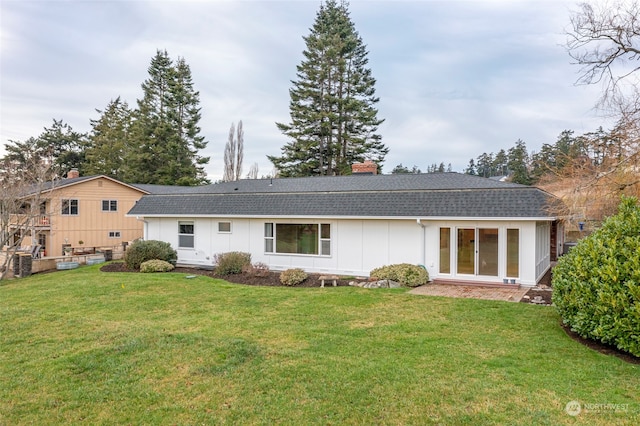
x: 455, y: 78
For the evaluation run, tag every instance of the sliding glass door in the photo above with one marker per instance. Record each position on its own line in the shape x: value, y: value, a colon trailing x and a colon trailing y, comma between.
x: 488, y: 252
x: 466, y: 251
x: 477, y: 251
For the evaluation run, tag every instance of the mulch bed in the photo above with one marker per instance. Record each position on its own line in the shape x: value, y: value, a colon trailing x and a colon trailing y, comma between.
x: 272, y: 279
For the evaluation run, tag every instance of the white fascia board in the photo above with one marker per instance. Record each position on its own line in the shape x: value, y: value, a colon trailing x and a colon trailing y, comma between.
x: 412, y: 218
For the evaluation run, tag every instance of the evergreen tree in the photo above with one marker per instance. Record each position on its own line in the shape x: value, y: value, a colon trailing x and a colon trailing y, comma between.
x: 500, y: 162
x: 471, y: 168
x: 400, y: 169
x: 64, y: 146
x: 332, y: 102
x: 59, y: 146
x: 519, y: 163
x: 109, y: 141
x: 484, y: 165
x: 165, y: 134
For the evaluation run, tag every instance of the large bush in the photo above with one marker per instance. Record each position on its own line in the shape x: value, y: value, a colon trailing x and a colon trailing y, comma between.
x: 404, y: 273
x: 141, y: 251
x: 596, y: 286
x: 232, y: 262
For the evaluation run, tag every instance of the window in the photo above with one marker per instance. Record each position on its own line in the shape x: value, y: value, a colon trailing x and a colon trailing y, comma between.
x: 109, y: 205
x: 325, y: 239
x: 268, y: 238
x: 69, y: 207
x: 488, y: 251
x: 466, y: 251
x: 445, y: 250
x: 185, y: 235
x: 114, y: 234
x: 224, y: 227
x: 513, y: 253
x: 294, y: 238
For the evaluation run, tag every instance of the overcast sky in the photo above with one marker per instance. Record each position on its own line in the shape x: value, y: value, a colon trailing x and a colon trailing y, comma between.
x: 455, y: 78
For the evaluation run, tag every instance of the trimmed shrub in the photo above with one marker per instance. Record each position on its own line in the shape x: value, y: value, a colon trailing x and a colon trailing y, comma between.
x: 404, y: 273
x: 258, y: 269
x: 292, y: 277
x: 596, y: 286
x: 156, y: 265
x: 232, y: 262
x: 141, y: 251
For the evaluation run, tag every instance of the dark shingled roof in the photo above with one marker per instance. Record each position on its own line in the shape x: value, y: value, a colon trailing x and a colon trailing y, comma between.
x: 406, y: 195
x: 148, y: 188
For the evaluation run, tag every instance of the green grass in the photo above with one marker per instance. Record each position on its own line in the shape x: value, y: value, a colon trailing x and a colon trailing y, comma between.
x: 83, y: 346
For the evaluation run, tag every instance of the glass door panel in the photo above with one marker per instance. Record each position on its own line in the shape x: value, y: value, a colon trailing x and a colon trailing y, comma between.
x: 466, y: 251
x: 445, y: 250
x: 513, y: 253
x: 488, y: 251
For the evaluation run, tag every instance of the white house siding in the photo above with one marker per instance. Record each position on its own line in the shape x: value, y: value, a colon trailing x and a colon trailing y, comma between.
x: 528, y: 238
x: 362, y: 245
x: 359, y: 245
x: 543, y: 248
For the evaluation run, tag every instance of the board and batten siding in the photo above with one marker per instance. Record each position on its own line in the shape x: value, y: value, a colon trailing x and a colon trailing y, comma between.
x: 357, y: 246
x: 527, y: 244
x: 92, y: 225
x: 543, y: 248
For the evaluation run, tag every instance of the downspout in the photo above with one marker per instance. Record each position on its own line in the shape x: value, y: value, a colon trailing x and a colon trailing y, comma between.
x: 422, y: 242
x: 145, y: 227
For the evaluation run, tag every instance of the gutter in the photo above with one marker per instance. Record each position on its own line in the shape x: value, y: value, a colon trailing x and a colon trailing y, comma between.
x: 422, y: 241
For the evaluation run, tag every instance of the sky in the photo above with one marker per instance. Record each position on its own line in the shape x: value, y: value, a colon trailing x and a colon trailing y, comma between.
x: 455, y: 78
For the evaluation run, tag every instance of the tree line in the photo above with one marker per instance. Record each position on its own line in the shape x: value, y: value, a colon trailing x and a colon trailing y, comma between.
x: 332, y: 109
x: 155, y: 142
x: 333, y: 117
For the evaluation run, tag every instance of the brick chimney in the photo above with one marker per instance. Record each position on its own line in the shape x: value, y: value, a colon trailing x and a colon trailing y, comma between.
x: 73, y: 173
x: 366, y: 168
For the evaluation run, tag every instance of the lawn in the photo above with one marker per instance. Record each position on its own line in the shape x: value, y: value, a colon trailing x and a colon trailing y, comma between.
x: 83, y: 346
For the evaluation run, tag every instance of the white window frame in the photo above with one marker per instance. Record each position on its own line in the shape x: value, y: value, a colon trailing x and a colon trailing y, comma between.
x: 225, y: 231
x: 270, y: 236
x: 67, y: 207
x: 186, y: 235
x: 111, y: 207
x: 115, y: 234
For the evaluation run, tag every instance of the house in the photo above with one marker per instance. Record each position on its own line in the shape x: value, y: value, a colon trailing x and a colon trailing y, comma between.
x: 83, y: 213
x: 460, y: 227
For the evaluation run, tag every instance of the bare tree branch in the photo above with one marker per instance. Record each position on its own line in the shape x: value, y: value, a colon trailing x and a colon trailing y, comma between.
x: 22, y: 198
x: 230, y: 156
x: 239, y: 150
x: 605, y: 40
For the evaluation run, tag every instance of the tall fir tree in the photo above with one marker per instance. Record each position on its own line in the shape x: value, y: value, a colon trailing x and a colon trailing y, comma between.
x: 332, y: 102
x: 109, y: 141
x: 59, y: 147
x: 518, y: 163
x: 64, y: 146
x: 165, y: 133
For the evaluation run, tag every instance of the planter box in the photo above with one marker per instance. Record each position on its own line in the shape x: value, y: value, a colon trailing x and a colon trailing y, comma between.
x: 95, y: 260
x: 67, y: 265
